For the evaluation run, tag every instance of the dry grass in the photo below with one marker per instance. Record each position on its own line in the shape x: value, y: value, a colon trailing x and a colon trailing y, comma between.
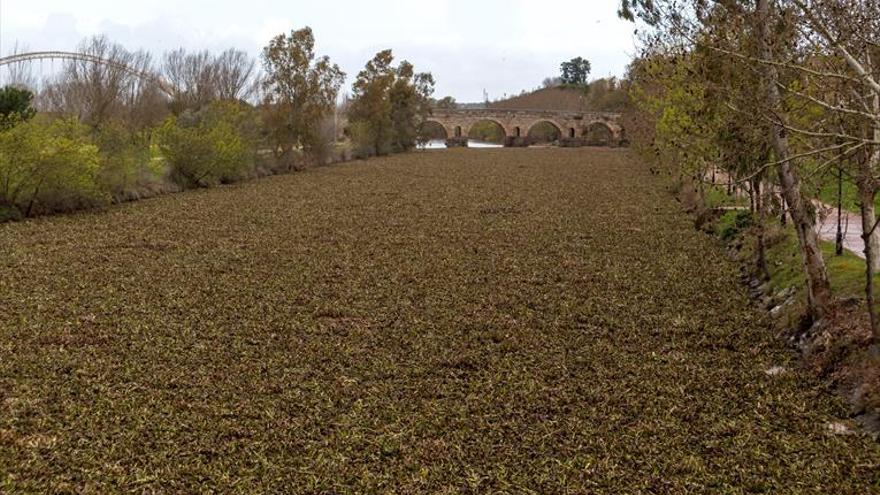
x: 505, y: 321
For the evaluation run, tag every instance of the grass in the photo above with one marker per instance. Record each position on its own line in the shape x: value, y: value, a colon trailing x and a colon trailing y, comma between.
x: 494, y: 321
x: 717, y: 197
x: 845, y: 272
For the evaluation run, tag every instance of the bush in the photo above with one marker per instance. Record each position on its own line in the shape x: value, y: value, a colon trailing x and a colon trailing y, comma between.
x: 732, y: 223
x: 47, y: 167
x: 208, y: 148
x: 322, y: 149
x: 362, y: 140
x: 127, y: 171
x: 9, y: 213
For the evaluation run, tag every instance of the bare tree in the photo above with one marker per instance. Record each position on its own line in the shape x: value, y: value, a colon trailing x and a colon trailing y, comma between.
x: 21, y: 74
x: 100, y: 92
x: 190, y: 77
x: 197, y: 79
x: 818, y: 287
x: 844, y: 76
x: 234, y: 75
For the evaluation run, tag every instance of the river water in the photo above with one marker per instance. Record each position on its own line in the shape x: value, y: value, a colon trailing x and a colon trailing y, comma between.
x: 439, y: 144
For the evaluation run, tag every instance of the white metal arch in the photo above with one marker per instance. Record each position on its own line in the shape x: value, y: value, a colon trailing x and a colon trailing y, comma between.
x: 84, y: 57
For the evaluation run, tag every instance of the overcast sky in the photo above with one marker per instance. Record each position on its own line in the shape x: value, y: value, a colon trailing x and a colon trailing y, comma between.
x: 470, y: 45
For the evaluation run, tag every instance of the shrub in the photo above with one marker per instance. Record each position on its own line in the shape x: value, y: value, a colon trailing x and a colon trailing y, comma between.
x: 47, y: 167
x: 321, y: 150
x: 732, y: 223
x: 9, y: 213
x: 127, y: 170
x: 208, y: 148
x: 362, y: 140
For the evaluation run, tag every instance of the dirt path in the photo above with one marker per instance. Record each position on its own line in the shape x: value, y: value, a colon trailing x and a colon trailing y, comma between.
x: 492, y: 321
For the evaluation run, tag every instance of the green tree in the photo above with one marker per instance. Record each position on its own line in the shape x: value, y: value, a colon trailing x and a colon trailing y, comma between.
x: 15, y: 101
x: 371, y: 104
x: 301, y: 91
x: 390, y: 105
x: 447, y: 103
x: 576, y: 71
x: 774, y: 45
x: 410, y: 97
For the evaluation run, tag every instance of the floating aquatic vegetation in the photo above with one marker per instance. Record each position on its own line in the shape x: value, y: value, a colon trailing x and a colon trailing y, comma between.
x: 504, y: 321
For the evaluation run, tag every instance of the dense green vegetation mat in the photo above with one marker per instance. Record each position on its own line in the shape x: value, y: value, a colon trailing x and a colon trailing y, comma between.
x: 493, y: 321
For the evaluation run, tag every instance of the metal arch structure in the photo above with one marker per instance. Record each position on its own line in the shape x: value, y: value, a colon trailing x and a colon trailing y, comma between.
x: 84, y: 57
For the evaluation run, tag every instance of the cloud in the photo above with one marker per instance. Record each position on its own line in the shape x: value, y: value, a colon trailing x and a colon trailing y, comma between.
x: 502, y: 46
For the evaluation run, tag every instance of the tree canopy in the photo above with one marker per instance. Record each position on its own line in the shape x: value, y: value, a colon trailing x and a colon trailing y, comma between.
x: 389, y: 105
x: 16, y: 102
x: 301, y: 90
x: 576, y: 71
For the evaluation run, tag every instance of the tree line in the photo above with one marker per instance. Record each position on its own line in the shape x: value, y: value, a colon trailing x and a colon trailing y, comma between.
x: 777, y: 96
x: 135, y: 127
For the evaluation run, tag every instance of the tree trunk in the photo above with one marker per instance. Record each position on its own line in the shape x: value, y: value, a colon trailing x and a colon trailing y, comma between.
x: 818, y: 288
x: 873, y: 165
x: 867, y: 195
x: 870, y: 233
x: 839, y: 238
x: 867, y: 198
x: 33, y: 199
x: 761, y: 249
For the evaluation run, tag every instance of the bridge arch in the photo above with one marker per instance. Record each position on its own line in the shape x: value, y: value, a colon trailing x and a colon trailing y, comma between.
x: 487, y: 129
x: 546, y: 131
x: 598, y: 133
x: 433, y: 129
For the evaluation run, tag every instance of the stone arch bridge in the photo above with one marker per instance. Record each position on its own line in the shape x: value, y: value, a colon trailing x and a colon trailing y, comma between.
x: 575, y: 128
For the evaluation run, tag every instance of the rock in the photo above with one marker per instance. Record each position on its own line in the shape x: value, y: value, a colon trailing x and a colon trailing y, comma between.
x: 776, y: 371
x: 778, y: 310
x: 785, y: 295
x: 840, y: 429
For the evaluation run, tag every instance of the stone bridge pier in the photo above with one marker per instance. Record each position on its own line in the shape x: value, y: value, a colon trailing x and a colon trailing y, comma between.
x: 575, y: 128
